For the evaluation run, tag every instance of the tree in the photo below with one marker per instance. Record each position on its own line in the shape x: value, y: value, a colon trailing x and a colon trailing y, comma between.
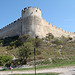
x: 4, y: 59
x: 37, y: 42
x: 25, y: 51
x: 58, y: 41
x: 49, y: 36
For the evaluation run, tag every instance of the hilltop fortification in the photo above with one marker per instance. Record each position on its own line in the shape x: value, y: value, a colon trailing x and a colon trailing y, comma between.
x: 32, y: 23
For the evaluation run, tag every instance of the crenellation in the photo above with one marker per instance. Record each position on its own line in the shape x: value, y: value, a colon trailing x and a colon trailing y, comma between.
x: 58, y: 28
x: 65, y: 31
x: 30, y: 7
x: 61, y: 29
x: 53, y: 25
x: 31, y: 11
x: 34, y: 7
x: 32, y: 23
x: 50, y: 24
x: 9, y: 25
x: 71, y: 32
x: 25, y: 8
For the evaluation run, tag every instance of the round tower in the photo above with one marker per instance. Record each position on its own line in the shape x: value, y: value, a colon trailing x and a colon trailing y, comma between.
x: 30, y: 11
x: 31, y: 18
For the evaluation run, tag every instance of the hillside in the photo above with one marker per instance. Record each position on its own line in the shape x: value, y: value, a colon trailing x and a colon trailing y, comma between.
x: 48, y: 49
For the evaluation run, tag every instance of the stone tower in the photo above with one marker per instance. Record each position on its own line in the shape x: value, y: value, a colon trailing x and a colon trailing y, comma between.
x: 31, y: 18
x: 32, y: 23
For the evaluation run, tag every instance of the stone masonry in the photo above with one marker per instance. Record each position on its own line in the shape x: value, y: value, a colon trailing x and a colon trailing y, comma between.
x: 32, y: 23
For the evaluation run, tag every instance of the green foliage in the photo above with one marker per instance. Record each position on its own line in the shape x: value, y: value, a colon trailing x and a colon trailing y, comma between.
x: 58, y: 41
x: 19, y: 41
x: 65, y: 39
x: 49, y: 36
x: 6, y: 41
x: 70, y: 38
x: 24, y: 38
x: 25, y: 51
x: 38, y: 42
x: 43, y: 62
x: 57, y: 60
x: 44, y: 48
x: 16, y: 43
x: 8, y: 63
x: 1, y: 41
x: 4, y: 59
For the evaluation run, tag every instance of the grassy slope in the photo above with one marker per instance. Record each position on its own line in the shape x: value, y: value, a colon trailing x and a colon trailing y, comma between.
x: 49, y: 50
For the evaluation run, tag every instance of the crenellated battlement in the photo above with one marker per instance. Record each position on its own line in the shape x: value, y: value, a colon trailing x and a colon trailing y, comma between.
x: 10, y: 24
x: 28, y: 8
x: 32, y: 23
x: 54, y: 28
x: 31, y: 11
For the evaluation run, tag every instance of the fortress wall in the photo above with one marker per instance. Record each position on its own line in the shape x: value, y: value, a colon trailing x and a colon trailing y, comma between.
x: 57, y: 32
x: 12, y: 29
x: 32, y: 23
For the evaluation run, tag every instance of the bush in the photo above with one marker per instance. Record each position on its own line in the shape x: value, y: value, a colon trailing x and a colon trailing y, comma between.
x: 58, y: 42
x: 6, y: 41
x: 24, y: 38
x: 16, y: 43
x: 25, y: 51
x: 4, y: 59
x: 70, y: 38
x: 57, y: 60
x: 43, y: 62
x: 65, y: 39
x: 49, y: 36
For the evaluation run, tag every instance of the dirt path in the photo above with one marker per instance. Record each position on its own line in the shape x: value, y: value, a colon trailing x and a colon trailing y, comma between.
x: 62, y: 71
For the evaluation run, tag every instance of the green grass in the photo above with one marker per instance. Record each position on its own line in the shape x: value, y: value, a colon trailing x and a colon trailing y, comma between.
x: 36, y: 74
x: 71, y: 63
x: 50, y: 66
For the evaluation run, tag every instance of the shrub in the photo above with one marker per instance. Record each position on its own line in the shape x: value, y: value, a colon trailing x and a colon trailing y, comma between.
x: 58, y: 41
x: 49, y: 36
x: 16, y: 43
x: 25, y: 51
x: 24, y: 38
x: 37, y: 42
x: 70, y: 38
x: 42, y: 62
x: 57, y: 60
x: 4, y: 59
x: 6, y: 41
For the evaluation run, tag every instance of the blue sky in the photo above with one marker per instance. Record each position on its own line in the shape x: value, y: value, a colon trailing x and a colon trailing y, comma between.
x: 60, y: 13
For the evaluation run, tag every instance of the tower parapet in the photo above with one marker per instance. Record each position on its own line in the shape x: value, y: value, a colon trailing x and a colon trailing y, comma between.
x: 31, y: 11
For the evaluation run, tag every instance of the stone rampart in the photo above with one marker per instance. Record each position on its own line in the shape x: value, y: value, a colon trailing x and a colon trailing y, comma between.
x: 33, y: 24
x: 12, y: 29
x: 57, y: 32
